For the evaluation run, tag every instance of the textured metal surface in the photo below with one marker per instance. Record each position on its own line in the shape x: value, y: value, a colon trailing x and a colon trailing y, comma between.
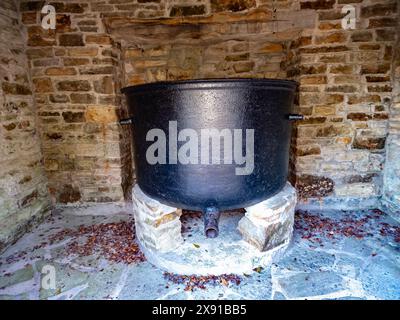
x: 211, y: 219
x: 259, y: 104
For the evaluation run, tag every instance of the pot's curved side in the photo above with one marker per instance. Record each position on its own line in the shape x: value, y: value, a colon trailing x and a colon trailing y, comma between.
x: 254, y: 109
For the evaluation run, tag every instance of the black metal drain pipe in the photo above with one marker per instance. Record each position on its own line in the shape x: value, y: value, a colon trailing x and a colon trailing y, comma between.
x: 211, y: 220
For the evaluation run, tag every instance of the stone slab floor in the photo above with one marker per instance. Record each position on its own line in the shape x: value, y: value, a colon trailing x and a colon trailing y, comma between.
x: 333, y: 255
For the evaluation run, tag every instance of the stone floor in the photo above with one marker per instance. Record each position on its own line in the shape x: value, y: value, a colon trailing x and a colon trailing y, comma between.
x: 334, y: 255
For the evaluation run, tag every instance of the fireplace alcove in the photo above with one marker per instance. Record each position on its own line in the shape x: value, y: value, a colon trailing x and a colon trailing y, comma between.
x: 220, y: 46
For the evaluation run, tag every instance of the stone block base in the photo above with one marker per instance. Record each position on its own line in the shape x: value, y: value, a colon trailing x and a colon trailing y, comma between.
x: 157, y: 225
x: 256, y: 239
x: 269, y: 223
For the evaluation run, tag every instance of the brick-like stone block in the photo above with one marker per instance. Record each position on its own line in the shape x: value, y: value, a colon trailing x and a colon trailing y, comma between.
x: 385, y: 35
x: 58, y: 98
x: 317, y: 5
x: 105, y: 85
x: 31, y: 5
x: 73, y: 85
x: 98, y: 39
x: 337, y: 37
x: 37, y: 36
x: 269, y: 224
x: 232, y: 5
x: 43, y: 85
x: 85, y: 98
x: 179, y: 11
x: 71, y: 40
x: 382, y: 22
x: 73, y: 117
x: 370, y: 143
x: 84, y: 52
x: 245, y: 66
x: 158, y: 226
x: 381, y: 9
x: 361, y: 36
x: 97, y: 70
x: 15, y: 89
x: 76, y: 61
x: 70, y: 7
x: 101, y: 114
x: 375, y: 68
x: 57, y: 71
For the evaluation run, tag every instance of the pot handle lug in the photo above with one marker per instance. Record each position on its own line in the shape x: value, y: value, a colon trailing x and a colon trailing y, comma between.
x: 295, y: 116
x: 126, y: 121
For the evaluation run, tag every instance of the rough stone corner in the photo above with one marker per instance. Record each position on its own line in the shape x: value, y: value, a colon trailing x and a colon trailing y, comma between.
x: 269, y: 224
x: 158, y: 226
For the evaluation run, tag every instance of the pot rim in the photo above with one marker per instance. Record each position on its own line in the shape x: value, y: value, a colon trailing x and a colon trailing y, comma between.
x: 213, y: 83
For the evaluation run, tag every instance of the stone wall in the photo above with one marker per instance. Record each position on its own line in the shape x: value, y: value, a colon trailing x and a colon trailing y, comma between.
x: 217, y: 52
x: 338, y: 151
x: 345, y: 93
x: 23, y: 190
x: 206, y: 39
x: 75, y: 71
x: 391, y: 194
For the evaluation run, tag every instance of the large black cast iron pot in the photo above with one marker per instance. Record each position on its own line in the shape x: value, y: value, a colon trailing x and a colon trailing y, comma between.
x: 262, y: 106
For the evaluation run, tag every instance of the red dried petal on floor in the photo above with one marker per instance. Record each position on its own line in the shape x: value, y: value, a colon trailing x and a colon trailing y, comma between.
x: 314, y: 227
x: 192, y: 282
x: 112, y: 241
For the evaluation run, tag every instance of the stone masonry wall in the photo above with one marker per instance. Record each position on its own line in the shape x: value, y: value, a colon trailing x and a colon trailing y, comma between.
x: 345, y: 84
x: 205, y: 39
x: 391, y: 193
x: 75, y: 71
x: 23, y: 186
x: 226, y: 55
x: 345, y: 92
